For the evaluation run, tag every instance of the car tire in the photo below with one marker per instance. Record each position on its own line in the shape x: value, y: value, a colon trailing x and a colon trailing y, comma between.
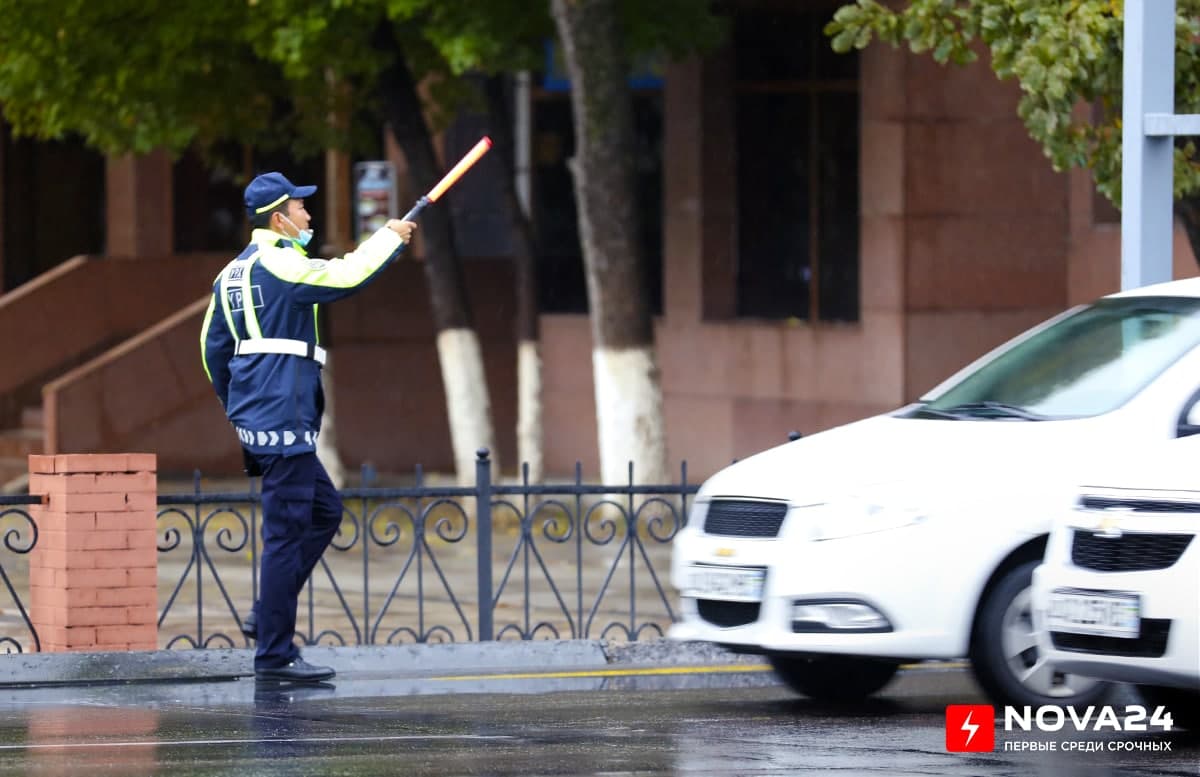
x: 1184, y: 705
x: 833, y: 678
x: 1004, y: 653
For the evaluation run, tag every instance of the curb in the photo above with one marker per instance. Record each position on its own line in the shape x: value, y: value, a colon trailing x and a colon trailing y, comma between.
x: 409, y: 660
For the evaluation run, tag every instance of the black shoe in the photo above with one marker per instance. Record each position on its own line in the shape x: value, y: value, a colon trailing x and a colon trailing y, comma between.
x: 279, y: 695
x: 250, y: 626
x: 297, y: 670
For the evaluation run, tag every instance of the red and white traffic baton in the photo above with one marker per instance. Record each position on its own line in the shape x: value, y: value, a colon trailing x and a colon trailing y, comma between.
x: 464, y: 164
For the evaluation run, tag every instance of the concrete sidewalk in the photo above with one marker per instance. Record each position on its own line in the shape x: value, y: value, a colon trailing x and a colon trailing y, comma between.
x: 408, y: 660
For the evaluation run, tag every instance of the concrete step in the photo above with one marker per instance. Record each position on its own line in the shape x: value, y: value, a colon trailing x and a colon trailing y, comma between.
x: 19, y: 443
x: 32, y: 417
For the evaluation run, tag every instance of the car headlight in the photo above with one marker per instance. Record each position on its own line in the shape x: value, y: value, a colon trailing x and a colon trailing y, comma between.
x: 852, y: 518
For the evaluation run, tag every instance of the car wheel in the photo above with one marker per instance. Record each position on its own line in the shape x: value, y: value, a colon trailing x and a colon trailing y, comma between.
x: 833, y: 678
x: 1005, y: 656
x: 1184, y: 705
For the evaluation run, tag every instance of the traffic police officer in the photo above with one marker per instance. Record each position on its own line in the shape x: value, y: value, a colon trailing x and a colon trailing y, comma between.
x: 260, y: 349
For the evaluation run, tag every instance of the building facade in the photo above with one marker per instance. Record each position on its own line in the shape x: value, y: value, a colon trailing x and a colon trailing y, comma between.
x: 830, y: 236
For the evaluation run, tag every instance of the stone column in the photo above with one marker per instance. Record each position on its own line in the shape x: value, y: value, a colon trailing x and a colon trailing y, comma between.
x: 140, y: 218
x: 93, y: 574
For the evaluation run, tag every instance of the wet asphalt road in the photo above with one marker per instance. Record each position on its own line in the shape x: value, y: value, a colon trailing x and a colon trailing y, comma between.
x: 636, y: 721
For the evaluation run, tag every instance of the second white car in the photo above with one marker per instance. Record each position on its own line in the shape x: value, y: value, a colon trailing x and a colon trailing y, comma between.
x: 1118, y: 596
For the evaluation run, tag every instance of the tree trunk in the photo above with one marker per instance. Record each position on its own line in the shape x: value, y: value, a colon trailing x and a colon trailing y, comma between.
x: 1188, y: 211
x: 628, y: 394
x: 467, y: 402
x: 529, y: 361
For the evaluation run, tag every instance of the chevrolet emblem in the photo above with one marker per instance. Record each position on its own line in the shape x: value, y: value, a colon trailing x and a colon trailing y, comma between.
x: 724, y: 553
x: 1109, y: 527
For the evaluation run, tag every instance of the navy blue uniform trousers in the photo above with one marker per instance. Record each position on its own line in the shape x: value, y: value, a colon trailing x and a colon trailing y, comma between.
x: 301, y: 514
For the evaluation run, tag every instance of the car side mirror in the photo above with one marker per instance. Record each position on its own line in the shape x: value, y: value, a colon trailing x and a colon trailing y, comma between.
x: 1190, y: 424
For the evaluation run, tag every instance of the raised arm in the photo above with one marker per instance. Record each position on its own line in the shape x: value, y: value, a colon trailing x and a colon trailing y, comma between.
x: 326, y: 280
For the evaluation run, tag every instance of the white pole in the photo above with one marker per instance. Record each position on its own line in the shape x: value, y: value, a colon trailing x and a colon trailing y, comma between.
x: 1147, y: 222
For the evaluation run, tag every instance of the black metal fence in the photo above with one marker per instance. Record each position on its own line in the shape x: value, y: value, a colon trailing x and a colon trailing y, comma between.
x: 437, y: 563
x: 20, y: 534
x: 421, y: 563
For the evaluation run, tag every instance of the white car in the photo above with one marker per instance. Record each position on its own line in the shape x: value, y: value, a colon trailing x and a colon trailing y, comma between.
x: 913, y: 535
x: 1118, y: 595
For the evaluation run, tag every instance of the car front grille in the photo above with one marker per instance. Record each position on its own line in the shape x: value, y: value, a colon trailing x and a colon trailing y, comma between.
x: 727, y: 614
x: 1151, y: 641
x: 744, y: 518
x: 1129, y: 552
x: 1139, y: 505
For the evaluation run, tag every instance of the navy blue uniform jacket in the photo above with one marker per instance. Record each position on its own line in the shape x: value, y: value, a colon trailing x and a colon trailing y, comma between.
x: 271, y: 290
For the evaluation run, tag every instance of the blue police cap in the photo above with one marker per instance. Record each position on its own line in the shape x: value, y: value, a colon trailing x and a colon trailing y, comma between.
x: 271, y: 189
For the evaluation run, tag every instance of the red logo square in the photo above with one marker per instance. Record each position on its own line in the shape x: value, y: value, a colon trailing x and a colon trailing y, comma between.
x: 970, y: 728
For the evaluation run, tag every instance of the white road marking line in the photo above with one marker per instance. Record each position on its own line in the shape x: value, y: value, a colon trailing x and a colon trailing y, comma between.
x: 264, y: 741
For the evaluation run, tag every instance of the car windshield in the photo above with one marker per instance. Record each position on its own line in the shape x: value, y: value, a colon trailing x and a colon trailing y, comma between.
x: 1086, y: 364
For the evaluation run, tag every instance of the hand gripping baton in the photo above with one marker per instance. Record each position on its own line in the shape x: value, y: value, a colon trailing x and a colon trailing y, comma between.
x: 464, y: 164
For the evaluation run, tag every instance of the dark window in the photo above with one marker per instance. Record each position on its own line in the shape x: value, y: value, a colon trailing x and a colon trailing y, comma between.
x: 53, y: 205
x: 561, y: 287
x: 210, y: 214
x: 797, y: 127
x: 561, y: 281
x: 481, y: 223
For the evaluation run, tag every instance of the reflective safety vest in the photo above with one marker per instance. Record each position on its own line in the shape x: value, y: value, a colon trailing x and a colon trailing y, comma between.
x: 262, y: 354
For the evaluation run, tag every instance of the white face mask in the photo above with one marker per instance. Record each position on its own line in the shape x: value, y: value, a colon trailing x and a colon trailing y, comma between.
x: 303, y: 236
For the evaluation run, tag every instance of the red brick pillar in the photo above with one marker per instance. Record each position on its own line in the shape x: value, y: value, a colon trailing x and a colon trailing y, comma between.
x: 93, y: 575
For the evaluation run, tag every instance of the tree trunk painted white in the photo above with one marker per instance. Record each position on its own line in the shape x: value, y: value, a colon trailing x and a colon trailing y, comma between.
x: 629, y: 412
x: 327, y: 450
x: 628, y: 396
x: 467, y: 404
x: 529, y: 409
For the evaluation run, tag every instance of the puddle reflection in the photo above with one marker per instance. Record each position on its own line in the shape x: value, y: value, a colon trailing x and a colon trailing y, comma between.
x: 69, y: 741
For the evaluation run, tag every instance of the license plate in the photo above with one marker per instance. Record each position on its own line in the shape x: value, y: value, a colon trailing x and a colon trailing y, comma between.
x: 1103, y: 613
x: 734, y: 584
